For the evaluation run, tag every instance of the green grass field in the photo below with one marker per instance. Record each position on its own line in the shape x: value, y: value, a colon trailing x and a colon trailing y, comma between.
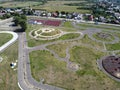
x: 99, y: 26
x: 57, y: 48
x: 69, y: 36
x: 110, y: 38
x: 20, y: 4
x: 49, y: 6
x: 32, y: 42
x: 8, y: 77
x: 44, y: 65
x: 88, y: 77
x: 4, y: 38
x: 113, y: 47
x: 86, y: 40
x: 67, y: 24
x: 51, y: 33
x: 59, y: 6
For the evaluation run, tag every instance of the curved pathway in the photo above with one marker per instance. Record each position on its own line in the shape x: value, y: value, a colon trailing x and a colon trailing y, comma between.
x: 25, y: 79
x: 90, y: 33
x: 15, y: 37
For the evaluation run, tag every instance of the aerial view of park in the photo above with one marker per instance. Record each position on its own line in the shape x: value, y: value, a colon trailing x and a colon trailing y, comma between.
x: 58, y: 45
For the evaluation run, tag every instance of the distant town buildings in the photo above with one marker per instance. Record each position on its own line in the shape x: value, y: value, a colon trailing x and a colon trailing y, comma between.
x: 116, y: 2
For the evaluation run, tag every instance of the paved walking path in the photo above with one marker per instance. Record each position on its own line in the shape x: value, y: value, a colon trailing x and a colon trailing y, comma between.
x: 15, y: 37
x: 25, y: 79
x: 89, y: 32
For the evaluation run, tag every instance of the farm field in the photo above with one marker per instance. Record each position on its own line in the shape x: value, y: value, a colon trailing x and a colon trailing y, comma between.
x: 50, y: 6
x: 60, y: 6
x: 19, y: 4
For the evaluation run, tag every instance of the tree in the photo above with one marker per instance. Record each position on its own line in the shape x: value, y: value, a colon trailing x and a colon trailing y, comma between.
x: 7, y: 15
x: 23, y: 17
x: 21, y: 20
x: 23, y: 24
x: 17, y: 20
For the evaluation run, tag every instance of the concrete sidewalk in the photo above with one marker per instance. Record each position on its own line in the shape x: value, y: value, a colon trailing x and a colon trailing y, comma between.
x: 15, y: 37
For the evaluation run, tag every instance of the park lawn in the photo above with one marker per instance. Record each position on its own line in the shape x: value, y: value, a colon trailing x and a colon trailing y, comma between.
x: 51, y: 33
x: 99, y: 26
x: 113, y: 47
x: 87, y: 57
x: 67, y: 24
x: 32, y: 42
x: 57, y: 48
x: 8, y: 77
x: 117, y: 34
x: 4, y: 38
x: 69, y: 36
x: 20, y: 4
x: 104, y: 39
x: 44, y: 65
x: 90, y: 43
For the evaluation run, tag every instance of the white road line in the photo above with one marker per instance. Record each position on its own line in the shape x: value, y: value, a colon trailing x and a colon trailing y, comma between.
x: 20, y: 86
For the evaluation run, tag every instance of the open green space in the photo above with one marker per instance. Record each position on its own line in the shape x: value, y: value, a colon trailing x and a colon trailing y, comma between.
x: 86, y: 41
x: 8, y: 76
x: 51, y: 33
x: 90, y: 43
x: 14, y: 4
x: 117, y: 34
x: 57, y: 49
x: 67, y: 24
x: 60, y: 6
x: 82, y: 54
x: 99, y: 26
x: 113, y: 47
x: 69, y: 36
x: 44, y: 65
x: 85, y: 53
x: 4, y: 37
x: 107, y: 39
x: 32, y: 42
